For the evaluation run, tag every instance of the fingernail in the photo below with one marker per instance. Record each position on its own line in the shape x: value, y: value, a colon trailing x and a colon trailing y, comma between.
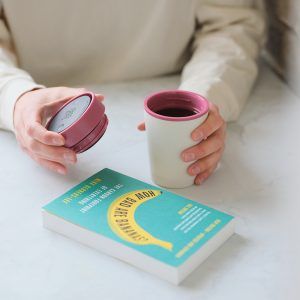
x: 195, y: 170
x: 200, y: 180
x: 70, y: 158
x: 198, y: 136
x: 100, y: 96
x: 61, y: 171
x: 58, y: 141
x: 189, y: 156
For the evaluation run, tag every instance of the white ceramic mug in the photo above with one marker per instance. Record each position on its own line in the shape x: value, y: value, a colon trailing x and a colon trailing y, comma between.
x: 169, y: 134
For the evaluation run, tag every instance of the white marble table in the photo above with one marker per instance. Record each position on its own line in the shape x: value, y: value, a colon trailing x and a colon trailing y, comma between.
x: 258, y: 182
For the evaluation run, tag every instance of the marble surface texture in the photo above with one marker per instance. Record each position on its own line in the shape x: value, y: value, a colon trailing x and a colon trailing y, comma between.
x: 258, y: 182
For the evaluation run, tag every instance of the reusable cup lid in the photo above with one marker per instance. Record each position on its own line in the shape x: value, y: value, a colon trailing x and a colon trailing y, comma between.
x: 81, y: 121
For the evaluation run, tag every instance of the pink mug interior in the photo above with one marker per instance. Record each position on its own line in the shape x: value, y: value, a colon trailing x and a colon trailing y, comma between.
x: 176, y: 99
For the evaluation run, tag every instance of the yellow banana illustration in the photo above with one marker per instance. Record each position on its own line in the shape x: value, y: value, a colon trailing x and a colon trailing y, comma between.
x: 122, y: 222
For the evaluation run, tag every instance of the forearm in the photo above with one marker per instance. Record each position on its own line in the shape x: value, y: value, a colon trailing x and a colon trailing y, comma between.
x: 9, y: 94
x: 13, y: 81
x: 223, y: 66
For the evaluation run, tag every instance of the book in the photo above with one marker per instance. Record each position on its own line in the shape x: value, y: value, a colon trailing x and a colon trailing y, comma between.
x: 144, y: 225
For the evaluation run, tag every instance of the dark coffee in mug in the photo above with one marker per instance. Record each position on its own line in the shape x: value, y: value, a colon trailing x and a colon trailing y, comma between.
x: 176, y: 112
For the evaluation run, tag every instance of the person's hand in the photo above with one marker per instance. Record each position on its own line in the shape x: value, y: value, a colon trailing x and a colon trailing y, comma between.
x: 32, y: 110
x: 206, y: 155
x: 208, y: 152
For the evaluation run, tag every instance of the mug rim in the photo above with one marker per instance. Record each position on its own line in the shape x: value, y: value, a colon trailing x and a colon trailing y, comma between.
x: 188, y: 94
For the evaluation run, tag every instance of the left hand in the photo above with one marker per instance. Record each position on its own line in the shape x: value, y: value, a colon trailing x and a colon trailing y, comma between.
x: 206, y: 155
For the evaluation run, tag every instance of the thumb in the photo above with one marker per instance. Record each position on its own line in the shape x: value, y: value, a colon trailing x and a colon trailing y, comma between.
x: 52, y: 108
x: 37, y: 131
x: 142, y: 126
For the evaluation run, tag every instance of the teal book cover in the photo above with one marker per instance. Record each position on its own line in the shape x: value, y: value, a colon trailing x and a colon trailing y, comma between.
x: 149, y: 219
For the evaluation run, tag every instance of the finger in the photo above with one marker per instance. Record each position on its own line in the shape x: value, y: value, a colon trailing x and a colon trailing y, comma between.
x: 213, y: 122
x: 53, y: 153
x: 52, y: 108
x: 53, y: 166
x: 203, y: 176
x: 39, y: 133
x: 142, y: 126
x: 205, y: 148
x: 99, y: 97
x: 64, y: 92
x: 204, y: 164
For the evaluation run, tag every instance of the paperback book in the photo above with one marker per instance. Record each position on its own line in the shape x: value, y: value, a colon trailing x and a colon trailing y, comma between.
x: 149, y: 227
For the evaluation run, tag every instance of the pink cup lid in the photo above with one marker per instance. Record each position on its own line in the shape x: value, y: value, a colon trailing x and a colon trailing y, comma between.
x: 81, y: 121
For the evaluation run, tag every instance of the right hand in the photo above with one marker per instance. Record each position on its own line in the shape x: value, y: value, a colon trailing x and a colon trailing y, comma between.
x: 32, y: 110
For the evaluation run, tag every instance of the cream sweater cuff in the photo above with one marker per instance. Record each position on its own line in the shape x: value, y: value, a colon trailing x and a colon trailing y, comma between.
x: 9, y: 94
